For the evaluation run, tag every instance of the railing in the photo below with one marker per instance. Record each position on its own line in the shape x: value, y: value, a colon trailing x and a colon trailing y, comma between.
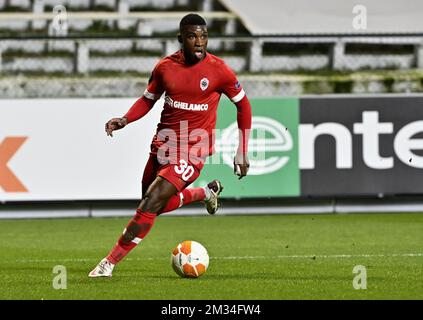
x: 276, y: 64
x: 100, y: 15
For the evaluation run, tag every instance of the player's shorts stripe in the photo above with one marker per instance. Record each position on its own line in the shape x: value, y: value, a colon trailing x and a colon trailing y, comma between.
x: 149, y: 95
x: 136, y: 240
x: 239, y: 96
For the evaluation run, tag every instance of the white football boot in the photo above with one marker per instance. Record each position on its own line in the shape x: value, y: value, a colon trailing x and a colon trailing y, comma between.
x: 103, y: 269
x: 213, y: 189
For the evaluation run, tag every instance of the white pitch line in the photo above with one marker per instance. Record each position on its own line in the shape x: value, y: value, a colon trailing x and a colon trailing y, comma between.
x: 334, y: 256
x: 325, y: 256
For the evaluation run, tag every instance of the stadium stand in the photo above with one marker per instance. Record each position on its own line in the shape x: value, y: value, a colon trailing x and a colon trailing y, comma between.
x: 304, y: 17
x: 127, y: 37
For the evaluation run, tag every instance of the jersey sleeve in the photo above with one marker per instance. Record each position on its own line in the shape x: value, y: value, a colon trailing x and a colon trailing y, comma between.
x: 155, y: 86
x: 230, y: 85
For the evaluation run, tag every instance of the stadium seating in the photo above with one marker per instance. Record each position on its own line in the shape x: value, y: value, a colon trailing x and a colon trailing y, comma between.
x: 18, y: 54
x: 143, y: 31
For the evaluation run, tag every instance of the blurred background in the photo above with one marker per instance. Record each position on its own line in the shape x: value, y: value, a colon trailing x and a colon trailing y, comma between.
x: 78, y: 63
x: 107, y: 48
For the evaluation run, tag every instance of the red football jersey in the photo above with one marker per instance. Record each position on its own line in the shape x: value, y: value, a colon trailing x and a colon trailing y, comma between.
x: 192, y: 94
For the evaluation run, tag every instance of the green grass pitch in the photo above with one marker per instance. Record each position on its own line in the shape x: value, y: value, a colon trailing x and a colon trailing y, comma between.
x: 270, y: 257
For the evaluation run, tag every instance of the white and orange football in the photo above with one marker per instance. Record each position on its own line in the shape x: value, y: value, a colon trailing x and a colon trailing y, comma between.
x: 190, y: 259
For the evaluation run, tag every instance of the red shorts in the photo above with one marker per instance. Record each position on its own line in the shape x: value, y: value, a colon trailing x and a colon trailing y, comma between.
x: 181, y: 175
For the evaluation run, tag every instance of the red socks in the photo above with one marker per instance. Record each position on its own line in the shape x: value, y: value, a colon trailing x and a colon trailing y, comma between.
x: 185, y: 197
x: 135, y: 231
x: 142, y: 222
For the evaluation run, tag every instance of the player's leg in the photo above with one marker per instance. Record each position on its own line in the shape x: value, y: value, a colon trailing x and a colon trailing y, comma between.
x: 142, y: 222
x: 155, y: 198
x: 181, y: 175
x: 184, y: 173
x: 153, y: 201
x: 209, y: 194
x: 105, y: 267
x: 150, y: 174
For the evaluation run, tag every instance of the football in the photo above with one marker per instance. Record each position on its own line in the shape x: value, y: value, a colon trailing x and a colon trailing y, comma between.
x: 190, y: 259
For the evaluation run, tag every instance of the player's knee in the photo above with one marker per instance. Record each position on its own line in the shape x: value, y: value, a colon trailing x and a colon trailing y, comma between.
x: 153, y: 202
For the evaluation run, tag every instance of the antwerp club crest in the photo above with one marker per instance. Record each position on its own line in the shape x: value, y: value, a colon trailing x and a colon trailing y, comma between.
x: 204, y: 83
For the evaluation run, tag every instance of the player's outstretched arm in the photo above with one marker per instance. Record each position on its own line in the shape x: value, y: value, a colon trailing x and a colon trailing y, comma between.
x: 244, y: 119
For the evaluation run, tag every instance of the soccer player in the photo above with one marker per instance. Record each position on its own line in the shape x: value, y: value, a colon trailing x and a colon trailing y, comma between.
x: 193, y: 81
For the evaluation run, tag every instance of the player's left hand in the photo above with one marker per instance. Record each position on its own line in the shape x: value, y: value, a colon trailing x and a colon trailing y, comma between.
x: 241, y: 165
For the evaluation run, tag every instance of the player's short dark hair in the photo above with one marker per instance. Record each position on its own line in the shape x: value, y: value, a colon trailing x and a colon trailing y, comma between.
x: 192, y: 19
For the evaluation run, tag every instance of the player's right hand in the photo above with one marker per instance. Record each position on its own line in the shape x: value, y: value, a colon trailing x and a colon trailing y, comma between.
x: 115, y: 124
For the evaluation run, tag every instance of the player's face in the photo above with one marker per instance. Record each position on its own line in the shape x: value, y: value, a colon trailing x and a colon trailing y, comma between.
x: 194, y: 42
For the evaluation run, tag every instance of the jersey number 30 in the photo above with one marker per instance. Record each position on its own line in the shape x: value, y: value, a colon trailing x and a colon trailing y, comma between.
x: 184, y: 170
